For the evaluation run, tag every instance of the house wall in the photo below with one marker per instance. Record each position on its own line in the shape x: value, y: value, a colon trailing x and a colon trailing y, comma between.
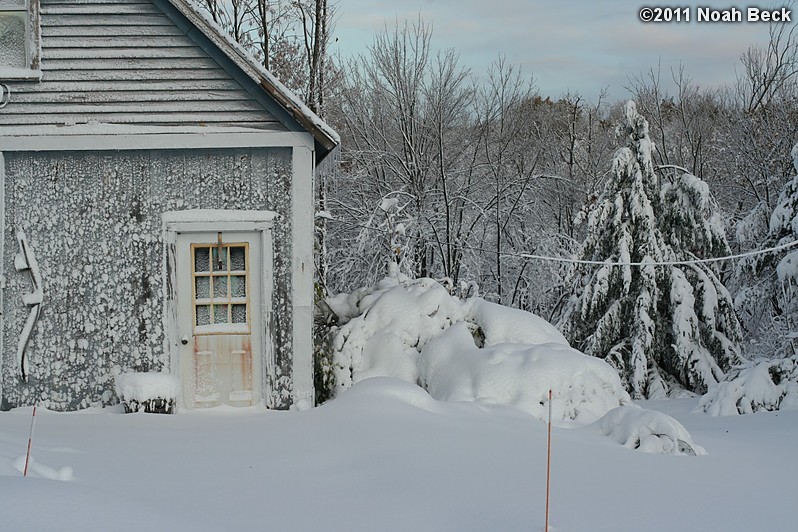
x: 93, y: 220
x: 127, y: 62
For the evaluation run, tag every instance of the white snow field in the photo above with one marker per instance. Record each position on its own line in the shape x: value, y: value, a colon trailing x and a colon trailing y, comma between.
x: 385, y: 456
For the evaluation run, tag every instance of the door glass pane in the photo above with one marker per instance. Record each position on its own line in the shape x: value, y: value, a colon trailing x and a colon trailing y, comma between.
x: 12, y: 39
x: 201, y: 260
x: 203, y: 314
x: 219, y: 260
x: 238, y: 285
x: 239, y: 313
x: 220, y: 314
x: 220, y: 287
x: 203, y: 287
x: 238, y: 259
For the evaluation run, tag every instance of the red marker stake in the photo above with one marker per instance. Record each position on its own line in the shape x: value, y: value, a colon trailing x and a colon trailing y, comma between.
x: 548, y: 467
x: 30, y: 439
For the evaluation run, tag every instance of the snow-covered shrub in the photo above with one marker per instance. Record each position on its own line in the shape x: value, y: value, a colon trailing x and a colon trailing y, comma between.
x: 152, y: 392
x: 648, y: 431
x: 755, y: 386
x: 453, y: 368
x: 382, y: 329
x: 465, y: 350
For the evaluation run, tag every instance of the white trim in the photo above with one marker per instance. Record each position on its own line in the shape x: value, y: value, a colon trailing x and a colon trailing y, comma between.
x: 195, y: 220
x: 302, y: 273
x: 2, y: 262
x: 65, y: 141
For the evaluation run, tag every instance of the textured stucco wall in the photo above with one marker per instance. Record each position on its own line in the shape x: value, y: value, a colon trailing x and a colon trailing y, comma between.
x: 93, y: 220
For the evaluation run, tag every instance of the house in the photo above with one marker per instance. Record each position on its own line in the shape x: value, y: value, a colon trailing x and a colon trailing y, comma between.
x: 156, y: 207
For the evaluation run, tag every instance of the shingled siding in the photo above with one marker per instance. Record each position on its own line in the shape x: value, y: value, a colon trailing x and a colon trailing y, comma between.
x: 126, y: 62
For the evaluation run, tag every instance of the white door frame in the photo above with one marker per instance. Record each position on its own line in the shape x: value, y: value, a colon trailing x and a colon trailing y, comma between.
x: 211, y: 221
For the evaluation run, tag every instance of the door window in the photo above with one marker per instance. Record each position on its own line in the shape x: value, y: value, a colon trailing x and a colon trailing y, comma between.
x: 220, y: 276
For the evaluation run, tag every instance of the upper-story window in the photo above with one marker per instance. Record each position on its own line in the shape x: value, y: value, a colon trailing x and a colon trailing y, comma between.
x: 19, y: 39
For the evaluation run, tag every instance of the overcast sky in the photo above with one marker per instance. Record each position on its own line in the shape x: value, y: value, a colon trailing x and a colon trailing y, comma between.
x: 576, y: 45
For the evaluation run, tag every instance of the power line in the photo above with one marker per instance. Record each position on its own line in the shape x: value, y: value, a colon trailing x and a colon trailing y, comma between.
x: 565, y: 260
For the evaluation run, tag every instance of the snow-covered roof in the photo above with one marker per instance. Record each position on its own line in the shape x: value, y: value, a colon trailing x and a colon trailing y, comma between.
x: 326, y: 138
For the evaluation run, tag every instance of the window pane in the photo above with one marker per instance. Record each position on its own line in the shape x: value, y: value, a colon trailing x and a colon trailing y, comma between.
x: 220, y: 288
x: 203, y: 287
x: 239, y: 313
x: 238, y: 259
x: 220, y: 314
x: 203, y: 315
x: 201, y: 260
x: 12, y: 3
x: 219, y: 263
x: 238, y: 284
x: 12, y: 40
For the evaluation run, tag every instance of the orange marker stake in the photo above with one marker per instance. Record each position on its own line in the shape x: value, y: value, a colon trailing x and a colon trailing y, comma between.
x: 548, y: 467
x: 30, y: 439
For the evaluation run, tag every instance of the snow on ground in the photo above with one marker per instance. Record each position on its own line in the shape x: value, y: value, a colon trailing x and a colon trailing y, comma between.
x: 386, y: 456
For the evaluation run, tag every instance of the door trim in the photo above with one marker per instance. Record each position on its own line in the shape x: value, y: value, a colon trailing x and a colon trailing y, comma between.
x: 209, y: 221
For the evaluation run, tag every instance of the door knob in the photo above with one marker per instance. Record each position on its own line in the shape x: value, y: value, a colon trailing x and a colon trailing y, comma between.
x: 184, y: 340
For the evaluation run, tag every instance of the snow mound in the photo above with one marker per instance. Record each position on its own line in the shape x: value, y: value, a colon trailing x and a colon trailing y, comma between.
x: 44, y: 471
x: 767, y: 385
x: 453, y: 368
x: 376, y: 389
x: 144, y: 386
x: 502, y: 324
x: 648, y: 431
x: 391, y: 325
x: 383, y: 328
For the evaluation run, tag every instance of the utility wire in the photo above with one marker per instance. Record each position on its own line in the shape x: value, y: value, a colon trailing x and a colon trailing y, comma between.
x: 533, y: 256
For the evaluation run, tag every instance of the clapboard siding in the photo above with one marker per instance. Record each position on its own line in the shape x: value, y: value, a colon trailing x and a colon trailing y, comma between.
x: 100, y: 9
x: 127, y: 62
x: 108, y: 31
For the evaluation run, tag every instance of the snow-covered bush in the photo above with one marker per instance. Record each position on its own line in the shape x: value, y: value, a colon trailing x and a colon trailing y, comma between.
x: 152, y: 392
x: 382, y: 329
x: 766, y: 385
x: 453, y: 368
x: 648, y: 431
x: 464, y: 350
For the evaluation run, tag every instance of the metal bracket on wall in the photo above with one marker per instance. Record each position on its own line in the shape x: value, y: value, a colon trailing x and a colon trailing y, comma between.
x: 26, y: 261
x: 5, y: 95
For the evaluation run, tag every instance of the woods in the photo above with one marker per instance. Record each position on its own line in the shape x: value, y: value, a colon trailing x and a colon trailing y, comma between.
x: 470, y: 177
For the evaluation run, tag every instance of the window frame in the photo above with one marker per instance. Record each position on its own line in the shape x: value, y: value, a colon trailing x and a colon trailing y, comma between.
x: 32, y: 44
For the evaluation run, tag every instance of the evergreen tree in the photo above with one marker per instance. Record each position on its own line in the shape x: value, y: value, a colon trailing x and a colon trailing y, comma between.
x: 663, y: 327
x: 769, y: 282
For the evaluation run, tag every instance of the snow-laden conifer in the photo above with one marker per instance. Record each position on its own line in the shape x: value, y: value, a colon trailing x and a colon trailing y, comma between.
x: 663, y: 327
x: 768, y: 294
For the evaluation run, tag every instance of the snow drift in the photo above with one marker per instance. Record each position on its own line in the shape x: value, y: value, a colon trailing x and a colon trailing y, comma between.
x: 648, y: 431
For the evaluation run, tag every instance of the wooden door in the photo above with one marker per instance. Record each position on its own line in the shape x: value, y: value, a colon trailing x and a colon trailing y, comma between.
x: 218, y: 277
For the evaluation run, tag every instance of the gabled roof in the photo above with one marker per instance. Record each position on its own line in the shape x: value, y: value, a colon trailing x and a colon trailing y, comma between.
x: 326, y: 139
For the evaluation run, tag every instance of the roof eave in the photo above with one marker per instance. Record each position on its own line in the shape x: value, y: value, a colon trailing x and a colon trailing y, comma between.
x: 326, y: 139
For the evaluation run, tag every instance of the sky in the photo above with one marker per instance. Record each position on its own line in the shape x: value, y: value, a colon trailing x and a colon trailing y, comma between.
x: 579, y: 46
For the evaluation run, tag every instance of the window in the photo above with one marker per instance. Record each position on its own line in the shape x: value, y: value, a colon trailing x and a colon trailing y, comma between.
x: 221, y: 302
x: 19, y: 39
